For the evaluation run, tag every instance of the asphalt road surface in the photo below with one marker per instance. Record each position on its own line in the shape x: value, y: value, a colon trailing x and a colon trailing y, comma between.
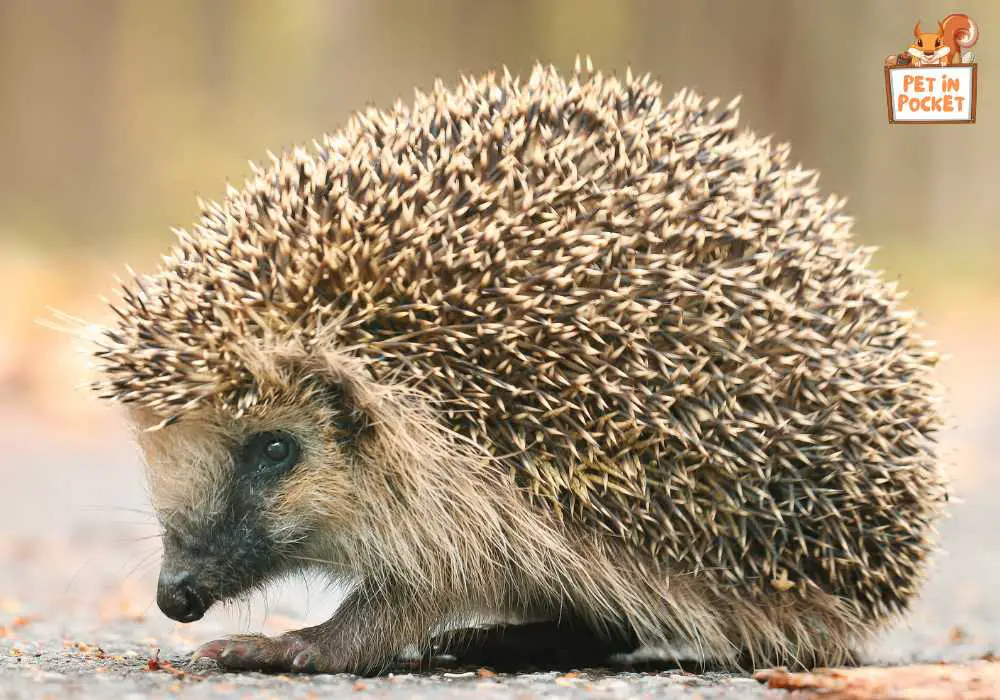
x: 78, y: 563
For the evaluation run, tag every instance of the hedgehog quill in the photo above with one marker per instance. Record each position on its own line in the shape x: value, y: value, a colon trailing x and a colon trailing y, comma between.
x: 552, y: 351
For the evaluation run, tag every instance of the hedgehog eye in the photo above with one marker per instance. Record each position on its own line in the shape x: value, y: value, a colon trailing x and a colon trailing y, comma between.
x: 278, y: 450
x: 270, y: 452
x: 937, y: 43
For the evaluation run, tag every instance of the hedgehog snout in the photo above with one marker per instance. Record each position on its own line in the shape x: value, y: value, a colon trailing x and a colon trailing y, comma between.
x: 216, y: 562
x: 214, y: 558
x: 179, y: 596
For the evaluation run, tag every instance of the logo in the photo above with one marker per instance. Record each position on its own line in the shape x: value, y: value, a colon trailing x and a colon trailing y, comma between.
x: 934, y: 80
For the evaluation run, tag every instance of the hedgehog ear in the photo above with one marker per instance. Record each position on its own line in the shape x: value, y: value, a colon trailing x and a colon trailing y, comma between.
x: 346, y: 415
x: 342, y: 391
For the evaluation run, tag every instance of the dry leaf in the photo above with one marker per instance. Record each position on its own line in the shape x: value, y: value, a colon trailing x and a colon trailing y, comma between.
x: 978, y: 680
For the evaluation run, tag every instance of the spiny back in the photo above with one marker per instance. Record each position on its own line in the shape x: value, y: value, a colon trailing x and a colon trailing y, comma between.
x: 656, y: 322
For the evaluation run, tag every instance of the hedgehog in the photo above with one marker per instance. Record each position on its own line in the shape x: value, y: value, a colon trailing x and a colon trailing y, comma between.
x: 559, y: 352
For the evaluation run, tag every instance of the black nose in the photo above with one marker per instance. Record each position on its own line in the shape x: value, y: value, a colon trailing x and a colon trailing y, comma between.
x: 179, y: 598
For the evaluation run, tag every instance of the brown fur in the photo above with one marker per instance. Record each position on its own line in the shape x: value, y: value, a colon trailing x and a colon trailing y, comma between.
x: 442, y: 534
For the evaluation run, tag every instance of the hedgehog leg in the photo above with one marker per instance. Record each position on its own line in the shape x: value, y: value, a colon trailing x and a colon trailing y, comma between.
x: 365, y: 635
x: 566, y: 643
x: 252, y: 652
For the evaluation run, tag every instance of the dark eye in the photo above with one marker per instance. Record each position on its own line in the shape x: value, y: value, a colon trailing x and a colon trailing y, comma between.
x: 278, y: 450
x: 937, y: 43
x: 270, y: 452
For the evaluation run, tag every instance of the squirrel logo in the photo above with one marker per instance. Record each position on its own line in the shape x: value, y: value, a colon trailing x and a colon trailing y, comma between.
x: 948, y: 46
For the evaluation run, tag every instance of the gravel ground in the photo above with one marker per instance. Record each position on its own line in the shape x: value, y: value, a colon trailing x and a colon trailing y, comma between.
x: 78, y: 567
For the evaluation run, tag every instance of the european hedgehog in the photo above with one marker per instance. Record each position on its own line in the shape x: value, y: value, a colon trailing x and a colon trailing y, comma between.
x: 553, y: 352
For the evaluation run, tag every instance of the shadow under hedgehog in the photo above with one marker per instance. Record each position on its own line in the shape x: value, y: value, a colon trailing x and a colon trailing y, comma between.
x: 557, y: 352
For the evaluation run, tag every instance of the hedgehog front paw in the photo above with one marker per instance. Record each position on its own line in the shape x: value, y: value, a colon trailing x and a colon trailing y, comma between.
x: 290, y: 652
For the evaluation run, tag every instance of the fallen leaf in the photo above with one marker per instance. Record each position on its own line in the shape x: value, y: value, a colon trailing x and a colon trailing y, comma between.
x: 157, y: 664
x: 22, y: 620
x: 978, y: 679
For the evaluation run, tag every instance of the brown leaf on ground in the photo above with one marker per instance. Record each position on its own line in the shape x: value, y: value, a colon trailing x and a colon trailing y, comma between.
x: 157, y: 664
x: 978, y: 680
x: 24, y: 620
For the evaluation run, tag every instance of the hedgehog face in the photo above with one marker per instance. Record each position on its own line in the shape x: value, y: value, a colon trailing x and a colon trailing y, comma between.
x: 242, y: 500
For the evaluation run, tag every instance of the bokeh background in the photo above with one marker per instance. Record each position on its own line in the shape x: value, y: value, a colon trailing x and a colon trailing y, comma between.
x: 115, y: 114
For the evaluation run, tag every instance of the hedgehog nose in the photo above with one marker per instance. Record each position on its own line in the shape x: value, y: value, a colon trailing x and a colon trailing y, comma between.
x: 179, y: 598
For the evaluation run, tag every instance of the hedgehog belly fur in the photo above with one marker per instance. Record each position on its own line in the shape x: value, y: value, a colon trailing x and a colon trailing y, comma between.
x: 545, y: 347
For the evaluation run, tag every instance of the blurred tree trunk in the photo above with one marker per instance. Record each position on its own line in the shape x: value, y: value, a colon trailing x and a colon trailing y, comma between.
x: 58, y: 64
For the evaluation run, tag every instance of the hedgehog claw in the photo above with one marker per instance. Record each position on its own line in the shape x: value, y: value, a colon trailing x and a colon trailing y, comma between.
x: 306, y: 662
x: 287, y: 653
x: 212, y: 650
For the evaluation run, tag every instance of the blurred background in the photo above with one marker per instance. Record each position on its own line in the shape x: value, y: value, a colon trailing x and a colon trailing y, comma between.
x: 115, y: 114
